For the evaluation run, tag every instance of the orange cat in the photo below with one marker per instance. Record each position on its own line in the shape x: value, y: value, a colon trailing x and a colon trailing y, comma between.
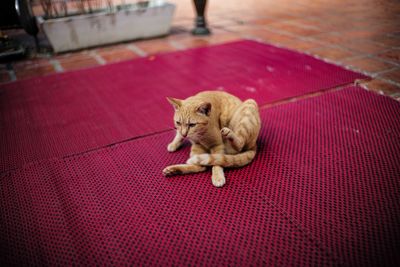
x: 223, y: 131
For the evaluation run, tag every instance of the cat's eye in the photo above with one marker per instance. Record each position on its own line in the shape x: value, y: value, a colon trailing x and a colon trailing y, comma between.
x: 191, y: 125
x: 178, y: 123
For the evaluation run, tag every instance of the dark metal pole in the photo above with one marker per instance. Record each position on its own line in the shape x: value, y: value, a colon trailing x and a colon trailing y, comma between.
x: 200, y: 22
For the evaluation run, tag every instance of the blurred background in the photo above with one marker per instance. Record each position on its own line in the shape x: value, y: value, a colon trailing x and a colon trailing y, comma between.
x: 360, y: 35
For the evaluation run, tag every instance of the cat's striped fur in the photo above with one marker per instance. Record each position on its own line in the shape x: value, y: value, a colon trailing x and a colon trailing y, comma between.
x: 223, y: 131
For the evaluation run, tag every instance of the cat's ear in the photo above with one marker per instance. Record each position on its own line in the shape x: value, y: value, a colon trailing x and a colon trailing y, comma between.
x: 204, y: 109
x: 176, y: 103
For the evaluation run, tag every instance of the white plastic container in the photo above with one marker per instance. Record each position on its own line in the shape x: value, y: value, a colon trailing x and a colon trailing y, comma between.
x: 129, y: 23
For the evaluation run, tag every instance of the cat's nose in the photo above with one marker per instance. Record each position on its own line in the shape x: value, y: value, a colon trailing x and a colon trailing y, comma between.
x: 184, y: 132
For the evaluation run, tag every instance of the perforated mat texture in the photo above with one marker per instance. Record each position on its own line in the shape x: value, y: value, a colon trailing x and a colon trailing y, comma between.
x: 68, y: 113
x: 322, y: 190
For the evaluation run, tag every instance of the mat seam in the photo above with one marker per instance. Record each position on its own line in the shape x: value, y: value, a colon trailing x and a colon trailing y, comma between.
x: 3, y: 173
x: 312, y: 94
x: 263, y: 107
x: 114, y: 144
x: 301, y: 228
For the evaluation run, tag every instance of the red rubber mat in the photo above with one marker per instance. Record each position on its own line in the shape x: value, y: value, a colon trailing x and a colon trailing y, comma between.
x: 323, y: 190
x: 69, y: 113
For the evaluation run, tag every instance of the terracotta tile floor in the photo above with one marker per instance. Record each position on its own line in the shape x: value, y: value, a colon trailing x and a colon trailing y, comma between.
x: 361, y: 35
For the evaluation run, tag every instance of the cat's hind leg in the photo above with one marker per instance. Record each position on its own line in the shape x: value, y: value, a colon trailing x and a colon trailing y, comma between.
x: 244, y: 126
x: 236, y: 142
x: 176, y: 143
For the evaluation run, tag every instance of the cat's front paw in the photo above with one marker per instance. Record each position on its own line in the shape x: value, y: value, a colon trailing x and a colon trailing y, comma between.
x: 218, y: 180
x: 227, y: 134
x: 218, y: 177
x: 171, y: 170
x: 172, y: 147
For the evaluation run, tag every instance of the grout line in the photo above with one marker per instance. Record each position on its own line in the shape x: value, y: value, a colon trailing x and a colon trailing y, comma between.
x: 98, y: 58
x: 375, y: 74
x: 349, y: 59
x: 13, y: 76
x: 11, y: 72
x: 391, y: 34
x: 312, y: 38
x: 389, y: 81
x: 395, y: 95
x: 360, y: 53
x: 300, y: 25
x: 136, y: 50
x: 383, y: 60
x: 56, y: 64
x: 381, y: 92
x: 176, y: 45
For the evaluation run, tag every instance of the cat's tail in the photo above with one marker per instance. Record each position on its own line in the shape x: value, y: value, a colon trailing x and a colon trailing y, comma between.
x: 237, y: 160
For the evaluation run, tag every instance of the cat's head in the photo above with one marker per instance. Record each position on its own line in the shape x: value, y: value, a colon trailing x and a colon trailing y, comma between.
x: 191, y: 117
